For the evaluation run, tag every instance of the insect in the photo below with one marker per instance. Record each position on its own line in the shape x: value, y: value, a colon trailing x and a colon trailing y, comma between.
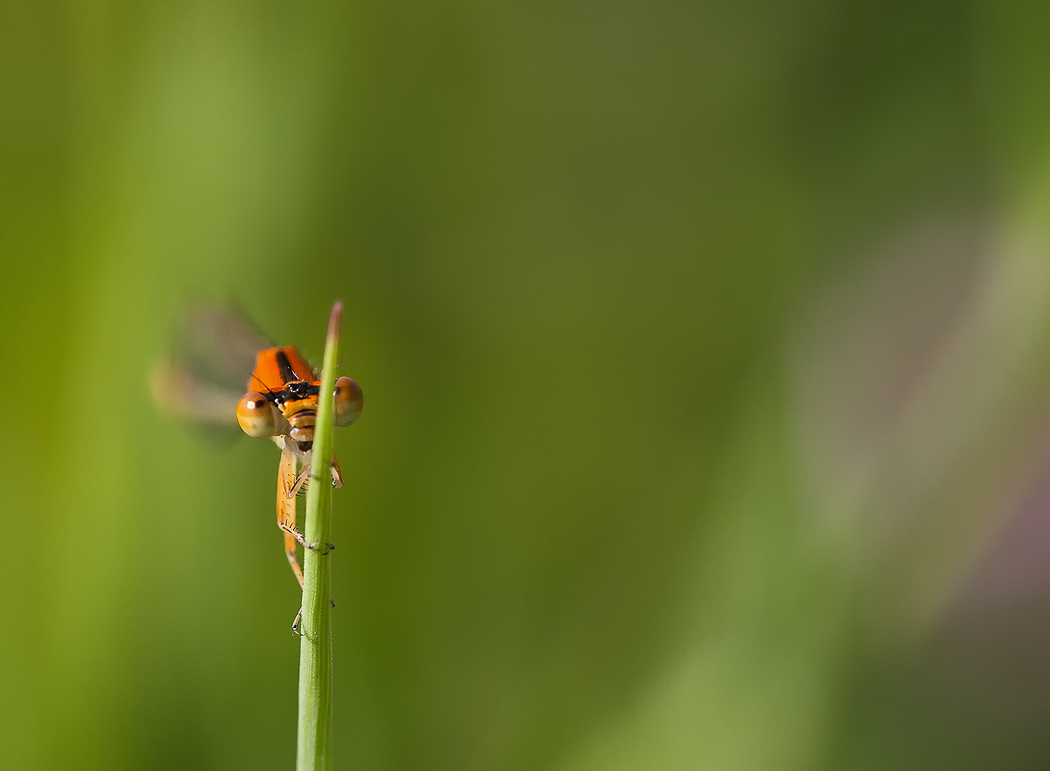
x: 278, y: 401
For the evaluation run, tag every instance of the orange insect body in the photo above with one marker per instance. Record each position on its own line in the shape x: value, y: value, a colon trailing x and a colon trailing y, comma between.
x: 281, y: 404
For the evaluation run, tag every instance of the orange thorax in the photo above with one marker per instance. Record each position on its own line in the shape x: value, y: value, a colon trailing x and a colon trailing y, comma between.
x: 288, y: 382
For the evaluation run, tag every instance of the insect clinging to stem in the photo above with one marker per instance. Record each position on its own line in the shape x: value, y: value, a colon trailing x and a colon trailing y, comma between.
x: 218, y: 347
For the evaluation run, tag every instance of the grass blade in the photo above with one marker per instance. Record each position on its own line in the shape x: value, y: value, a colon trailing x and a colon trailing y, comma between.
x: 315, y: 652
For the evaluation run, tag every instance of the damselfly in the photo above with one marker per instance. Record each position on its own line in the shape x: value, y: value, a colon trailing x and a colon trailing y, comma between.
x: 215, y: 349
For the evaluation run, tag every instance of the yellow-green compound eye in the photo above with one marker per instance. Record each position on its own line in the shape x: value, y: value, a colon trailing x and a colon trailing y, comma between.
x: 255, y: 415
x: 348, y: 401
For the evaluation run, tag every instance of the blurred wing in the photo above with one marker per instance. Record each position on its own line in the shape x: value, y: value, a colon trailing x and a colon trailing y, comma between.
x: 213, y: 354
x: 180, y: 392
x: 219, y: 344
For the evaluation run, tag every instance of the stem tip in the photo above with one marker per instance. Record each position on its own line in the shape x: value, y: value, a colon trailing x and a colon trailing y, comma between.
x: 335, y: 319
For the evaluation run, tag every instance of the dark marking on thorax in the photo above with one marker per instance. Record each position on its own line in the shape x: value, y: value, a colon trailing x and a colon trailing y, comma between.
x: 287, y: 372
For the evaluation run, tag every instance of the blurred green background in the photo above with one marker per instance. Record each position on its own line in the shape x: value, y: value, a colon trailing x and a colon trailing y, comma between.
x: 706, y: 354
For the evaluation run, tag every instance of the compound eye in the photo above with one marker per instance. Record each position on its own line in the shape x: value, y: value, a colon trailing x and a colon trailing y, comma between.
x: 348, y: 401
x: 255, y: 415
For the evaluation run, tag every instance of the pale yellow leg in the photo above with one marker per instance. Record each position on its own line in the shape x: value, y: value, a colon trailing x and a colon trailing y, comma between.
x: 286, y: 511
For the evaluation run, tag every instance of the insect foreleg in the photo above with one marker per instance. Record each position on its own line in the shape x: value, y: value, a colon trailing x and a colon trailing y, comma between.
x: 286, y: 512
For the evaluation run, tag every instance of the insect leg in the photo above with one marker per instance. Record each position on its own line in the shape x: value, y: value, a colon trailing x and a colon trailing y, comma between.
x: 304, y: 474
x: 286, y: 511
x: 288, y: 485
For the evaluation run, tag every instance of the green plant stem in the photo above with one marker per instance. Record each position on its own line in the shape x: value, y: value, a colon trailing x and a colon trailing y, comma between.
x: 315, y: 652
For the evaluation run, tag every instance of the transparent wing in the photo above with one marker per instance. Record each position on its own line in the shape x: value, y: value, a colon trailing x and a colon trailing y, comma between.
x: 212, y: 355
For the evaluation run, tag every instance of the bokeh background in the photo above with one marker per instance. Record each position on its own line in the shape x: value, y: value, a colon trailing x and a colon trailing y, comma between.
x: 706, y: 354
